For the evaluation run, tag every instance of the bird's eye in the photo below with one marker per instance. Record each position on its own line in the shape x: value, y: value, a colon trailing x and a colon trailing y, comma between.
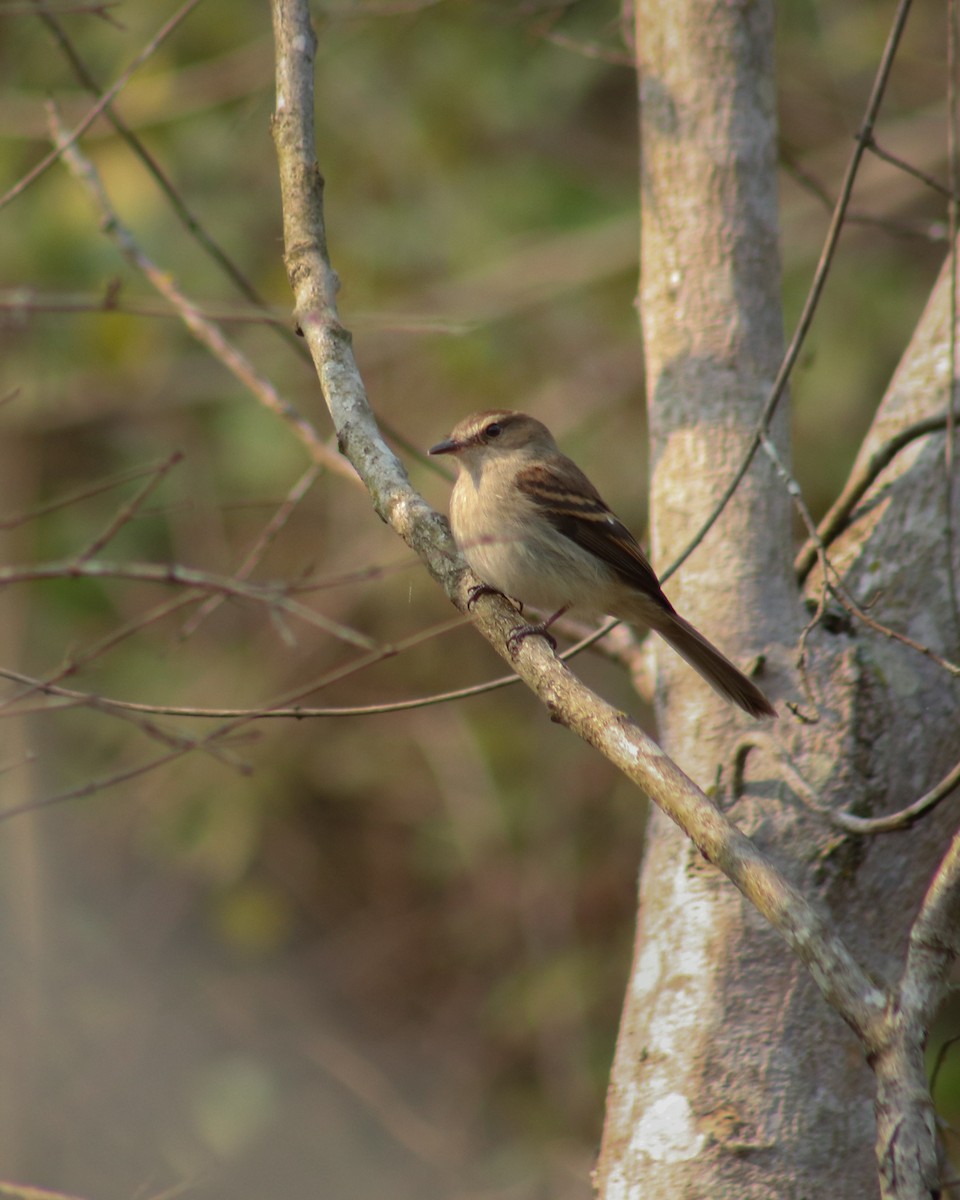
x: 493, y: 430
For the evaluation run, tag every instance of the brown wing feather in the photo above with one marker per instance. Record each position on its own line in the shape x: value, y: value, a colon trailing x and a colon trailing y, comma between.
x: 574, y: 507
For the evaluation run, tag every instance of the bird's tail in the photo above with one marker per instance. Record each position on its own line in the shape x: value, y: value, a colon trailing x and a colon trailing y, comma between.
x: 714, y: 667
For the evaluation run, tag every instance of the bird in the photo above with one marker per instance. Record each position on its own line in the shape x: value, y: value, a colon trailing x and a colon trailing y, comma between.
x: 533, y: 527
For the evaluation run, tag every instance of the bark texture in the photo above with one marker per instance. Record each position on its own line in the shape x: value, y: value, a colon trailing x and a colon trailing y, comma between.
x: 732, y: 1077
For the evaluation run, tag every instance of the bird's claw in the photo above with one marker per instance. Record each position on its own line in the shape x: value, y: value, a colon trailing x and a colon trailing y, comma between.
x: 487, y: 589
x: 520, y: 632
x: 478, y: 590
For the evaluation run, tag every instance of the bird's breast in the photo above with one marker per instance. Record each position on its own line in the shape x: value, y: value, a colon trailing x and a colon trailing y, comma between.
x: 515, y: 549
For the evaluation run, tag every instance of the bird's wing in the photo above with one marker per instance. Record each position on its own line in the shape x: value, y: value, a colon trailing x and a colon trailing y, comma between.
x: 574, y: 507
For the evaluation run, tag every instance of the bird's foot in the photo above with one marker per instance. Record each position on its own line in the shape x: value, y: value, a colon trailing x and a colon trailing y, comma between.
x: 521, y: 632
x: 481, y: 589
x: 486, y: 589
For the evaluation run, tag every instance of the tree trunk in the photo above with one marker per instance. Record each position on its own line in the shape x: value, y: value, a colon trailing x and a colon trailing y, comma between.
x: 732, y: 1076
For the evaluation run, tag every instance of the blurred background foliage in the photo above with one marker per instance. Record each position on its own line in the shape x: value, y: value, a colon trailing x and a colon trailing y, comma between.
x: 355, y: 956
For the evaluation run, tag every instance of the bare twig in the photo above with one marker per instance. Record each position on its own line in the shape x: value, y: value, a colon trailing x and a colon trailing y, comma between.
x: 596, y: 50
x: 224, y: 731
x: 86, y: 493
x: 97, y: 650
x: 859, y: 483
x: 927, y: 231
x: 831, y: 578
x: 27, y: 8
x: 368, y: 1084
x: 300, y: 712
x: 273, y: 595
x: 109, y: 95
x: 17, y: 1191
x: 907, y: 167
x: 906, y: 1130
x: 260, y: 546
x: 130, y: 509
x: 270, y: 709
x: 942, y: 1051
x: 205, y: 331
x: 93, y: 786
x: 191, y: 222
x: 14, y: 704
x: 20, y: 301
x: 851, y: 606
x: 905, y: 817
x: 848, y: 822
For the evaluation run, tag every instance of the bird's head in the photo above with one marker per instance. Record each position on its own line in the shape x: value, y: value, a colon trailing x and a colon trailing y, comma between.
x: 494, y: 432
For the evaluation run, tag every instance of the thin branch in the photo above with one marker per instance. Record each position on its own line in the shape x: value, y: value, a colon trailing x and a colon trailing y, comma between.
x: 19, y: 301
x: 595, y: 50
x: 831, y: 578
x: 51, y: 685
x: 908, y: 168
x: 129, y: 510
x: 906, y: 1128
x: 848, y: 822
x: 260, y: 546
x: 859, y: 483
x: 274, y: 595
x: 373, y: 1088
x: 906, y: 817
x: 206, y: 332
x: 217, y: 735
x: 190, y: 221
x: 193, y: 225
x: 185, y: 215
x: 86, y: 493
x: 297, y: 713
x: 28, y: 8
x: 22, y: 300
x: 300, y: 712
x: 861, y: 614
x: 109, y: 95
x: 25, y: 760
x: 19, y: 1191
x: 927, y: 231
x: 94, y: 786
x: 97, y: 650
x: 942, y: 1051
x: 934, y: 940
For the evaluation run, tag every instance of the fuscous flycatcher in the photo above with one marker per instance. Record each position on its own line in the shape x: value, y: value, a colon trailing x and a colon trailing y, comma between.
x: 533, y: 526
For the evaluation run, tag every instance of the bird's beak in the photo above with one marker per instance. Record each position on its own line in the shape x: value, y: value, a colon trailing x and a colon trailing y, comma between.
x: 449, y: 446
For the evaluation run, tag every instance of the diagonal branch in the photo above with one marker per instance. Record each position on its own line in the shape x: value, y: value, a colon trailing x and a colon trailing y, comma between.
x: 108, y: 96
x: 207, y: 332
x: 861, y: 479
x: 906, y: 1127
x: 274, y: 596
x: 845, y: 985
